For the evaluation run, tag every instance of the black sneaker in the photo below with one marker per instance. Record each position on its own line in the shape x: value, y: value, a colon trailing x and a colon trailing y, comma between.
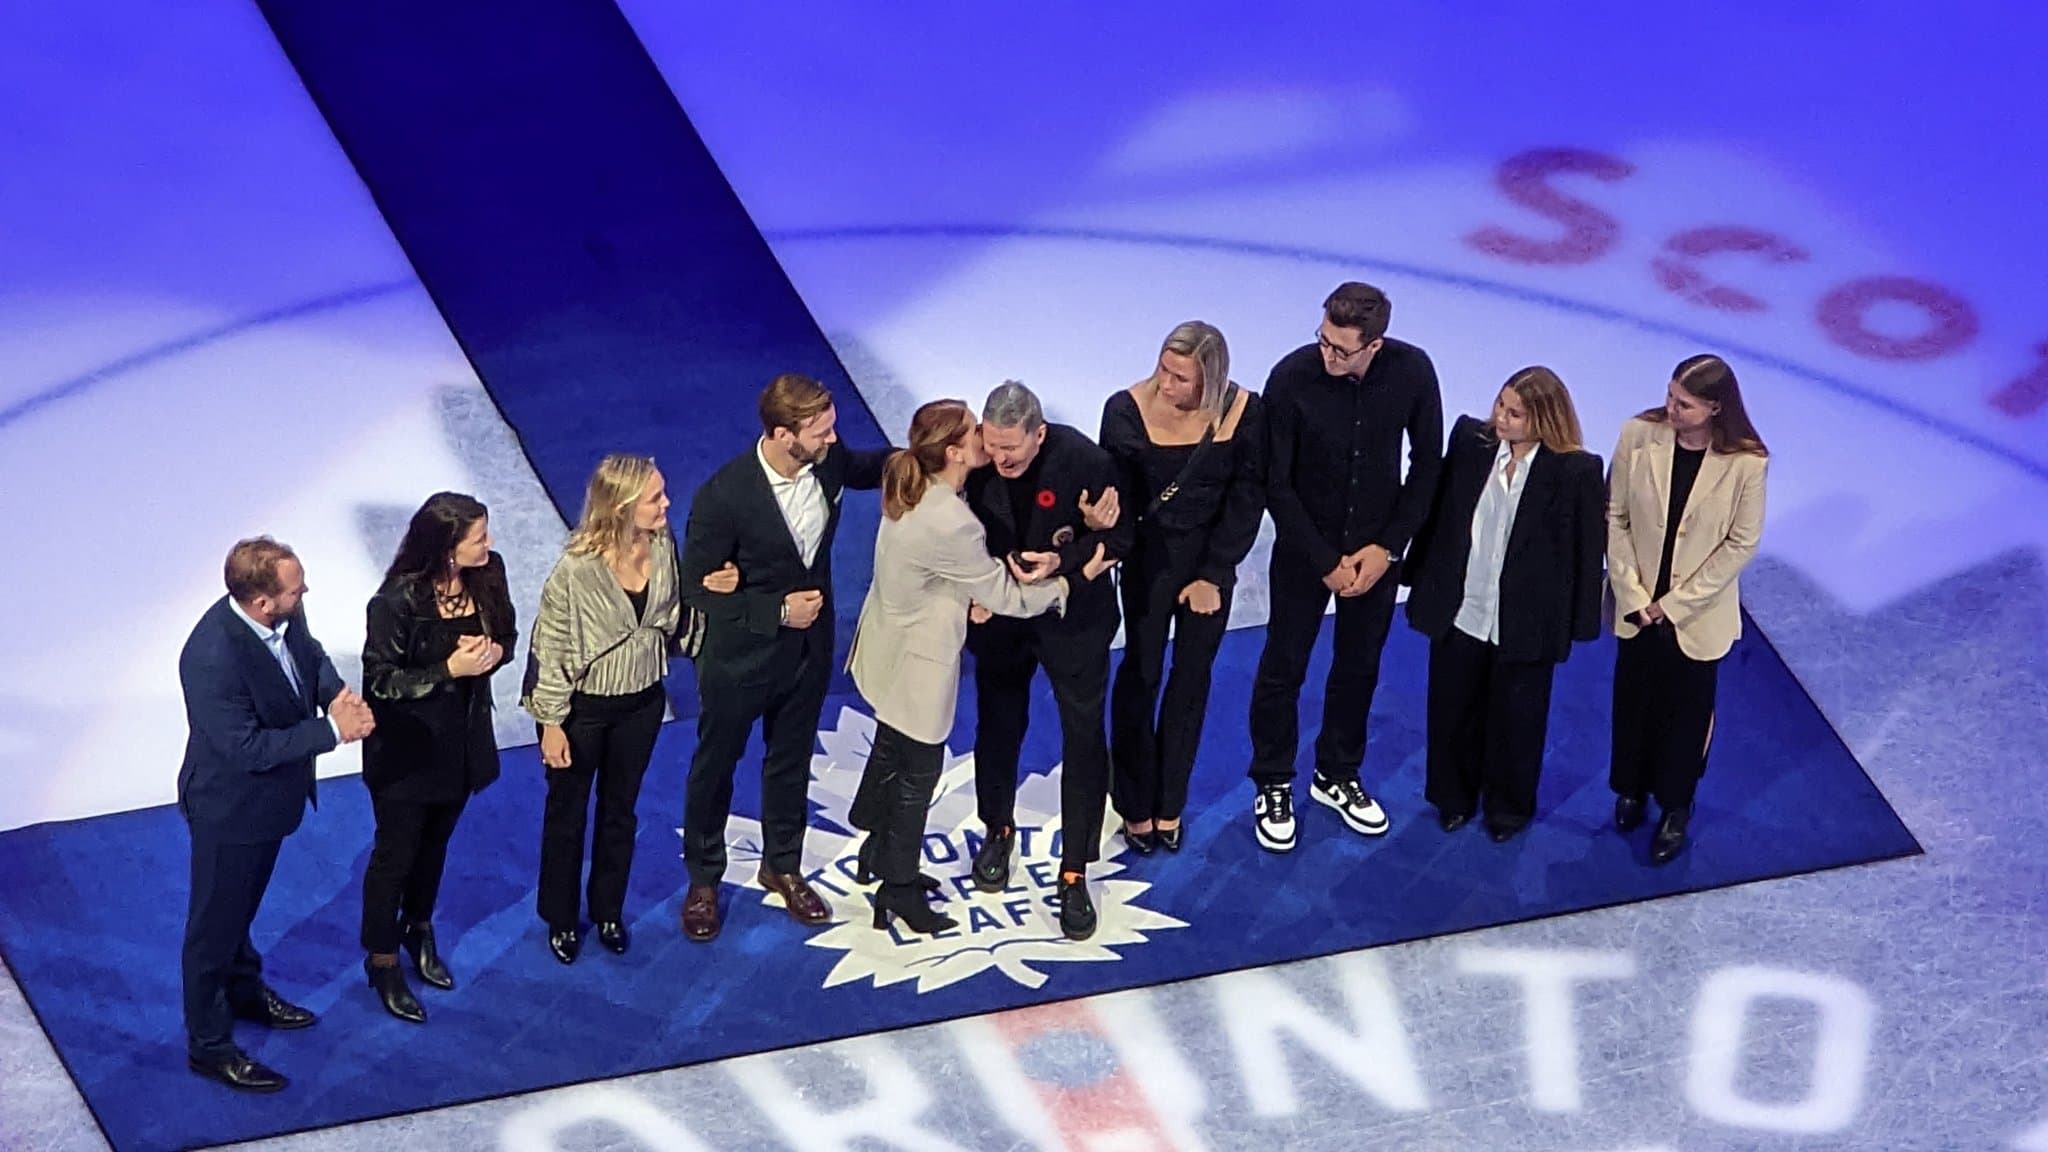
x: 1077, y: 911
x: 992, y: 863
x: 1273, y: 817
x: 1349, y: 798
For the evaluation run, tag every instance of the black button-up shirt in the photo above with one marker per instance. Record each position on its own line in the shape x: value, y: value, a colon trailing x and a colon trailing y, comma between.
x: 1334, y: 481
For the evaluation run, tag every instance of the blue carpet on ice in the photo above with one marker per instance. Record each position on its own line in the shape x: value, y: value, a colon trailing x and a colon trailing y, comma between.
x: 91, y: 913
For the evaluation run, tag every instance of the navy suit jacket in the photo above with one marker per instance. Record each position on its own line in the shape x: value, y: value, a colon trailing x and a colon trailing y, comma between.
x: 248, y: 769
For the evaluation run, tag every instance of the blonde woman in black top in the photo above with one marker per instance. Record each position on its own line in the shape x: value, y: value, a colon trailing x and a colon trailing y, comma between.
x: 1190, y: 450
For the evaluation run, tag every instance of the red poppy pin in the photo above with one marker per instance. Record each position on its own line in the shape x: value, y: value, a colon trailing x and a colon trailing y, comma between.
x: 1046, y: 499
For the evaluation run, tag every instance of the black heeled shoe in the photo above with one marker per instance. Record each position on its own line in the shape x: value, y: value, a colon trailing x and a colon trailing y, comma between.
x: 613, y: 935
x: 1451, y: 821
x: 1143, y: 843
x: 1671, y: 836
x: 917, y: 915
x: 1168, y: 838
x: 864, y: 870
x: 418, y: 940
x: 1628, y: 813
x: 565, y: 943
x: 389, y: 983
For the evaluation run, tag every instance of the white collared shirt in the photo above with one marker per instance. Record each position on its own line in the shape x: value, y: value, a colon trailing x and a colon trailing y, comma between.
x: 802, y: 500
x: 273, y: 639
x: 1493, y: 521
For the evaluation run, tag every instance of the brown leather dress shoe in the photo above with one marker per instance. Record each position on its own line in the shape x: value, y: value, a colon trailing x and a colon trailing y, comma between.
x: 700, y: 912
x: 805, y: 905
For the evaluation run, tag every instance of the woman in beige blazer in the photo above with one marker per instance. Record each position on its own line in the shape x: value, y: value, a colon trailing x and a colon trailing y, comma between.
x: 1685, y: 509
x: 931, y: 564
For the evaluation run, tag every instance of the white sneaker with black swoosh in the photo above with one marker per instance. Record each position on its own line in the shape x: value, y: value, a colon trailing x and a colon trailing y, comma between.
x: 1349, y: 798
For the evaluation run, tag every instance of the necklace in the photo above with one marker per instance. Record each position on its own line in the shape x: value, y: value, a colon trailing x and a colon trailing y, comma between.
x: 453, y: 600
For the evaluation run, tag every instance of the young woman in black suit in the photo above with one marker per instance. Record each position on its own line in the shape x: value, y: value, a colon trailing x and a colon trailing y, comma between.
x: 1505, y: 577
x: 439, y: 626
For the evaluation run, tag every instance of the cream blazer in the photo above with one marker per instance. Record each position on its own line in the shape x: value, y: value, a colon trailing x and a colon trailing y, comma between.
x: 929, y: 566
x: 1717, y: 536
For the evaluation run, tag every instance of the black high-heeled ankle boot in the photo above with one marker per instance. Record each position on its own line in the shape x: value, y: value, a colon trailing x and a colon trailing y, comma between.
x: 418, y: 940
x: 391, y: 988
x: 864, y: 868
x: 917, y: 915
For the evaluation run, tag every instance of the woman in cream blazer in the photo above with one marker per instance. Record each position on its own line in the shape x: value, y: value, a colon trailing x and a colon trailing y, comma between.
x: 1685, y: 509
x: 931, y: 565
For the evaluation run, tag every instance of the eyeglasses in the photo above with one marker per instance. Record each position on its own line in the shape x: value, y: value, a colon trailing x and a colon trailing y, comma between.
x: 1342, y: 352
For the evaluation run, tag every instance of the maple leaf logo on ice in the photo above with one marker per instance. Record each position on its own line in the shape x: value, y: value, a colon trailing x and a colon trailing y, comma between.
x: 1015, y: 932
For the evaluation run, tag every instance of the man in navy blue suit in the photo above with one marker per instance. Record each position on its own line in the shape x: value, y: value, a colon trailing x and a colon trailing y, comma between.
x: 256, y: 684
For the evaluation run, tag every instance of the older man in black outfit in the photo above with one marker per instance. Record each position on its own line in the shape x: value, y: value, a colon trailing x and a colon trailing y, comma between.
x: 1336, y: 412
x: 1047, y: 488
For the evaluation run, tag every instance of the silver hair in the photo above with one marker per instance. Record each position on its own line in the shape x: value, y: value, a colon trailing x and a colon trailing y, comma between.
x: 1012, y: 405
x: 1211, y: 353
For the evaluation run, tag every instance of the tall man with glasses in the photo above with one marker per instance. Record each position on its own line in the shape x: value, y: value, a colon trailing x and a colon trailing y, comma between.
x: 1336, y: 412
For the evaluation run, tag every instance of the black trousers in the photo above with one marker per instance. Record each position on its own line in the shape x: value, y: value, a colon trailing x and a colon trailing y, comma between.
x: 895, y: 793
x: 1663, y: 718
x: 1007, y: 653
x: 221, y: 968
x: 611, y: 739
x: 1487, y: 720
x: 403, y: 879
x: 787, y: 709
x: 1298, y: 598
x: 1153, y: 736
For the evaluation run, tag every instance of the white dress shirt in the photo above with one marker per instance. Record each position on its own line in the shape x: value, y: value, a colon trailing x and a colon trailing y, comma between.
x: 273, y: 639
x: 1493, y: 521
x: 802, y: 500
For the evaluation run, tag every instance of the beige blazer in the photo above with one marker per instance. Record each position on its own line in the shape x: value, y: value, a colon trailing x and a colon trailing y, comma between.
x: 1717, y: 535
x: 928, y: 567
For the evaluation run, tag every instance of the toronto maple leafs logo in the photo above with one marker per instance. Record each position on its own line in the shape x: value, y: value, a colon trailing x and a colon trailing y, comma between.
x: 1015, y: 932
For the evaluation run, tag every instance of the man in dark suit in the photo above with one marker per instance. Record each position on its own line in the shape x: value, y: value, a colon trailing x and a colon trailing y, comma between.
x: 768, y: 648
x: 255, y: 684
x: 1047, y: 488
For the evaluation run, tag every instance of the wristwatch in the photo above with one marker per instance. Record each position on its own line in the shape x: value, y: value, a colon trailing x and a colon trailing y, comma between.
x: 783, y: 617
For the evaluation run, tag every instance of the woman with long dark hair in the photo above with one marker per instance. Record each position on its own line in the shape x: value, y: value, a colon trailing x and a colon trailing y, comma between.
x: 1506, y: 576
x: 439, y: 626
x: 1190, y: 449
x: 1685, y: 509
x: 931, y: 566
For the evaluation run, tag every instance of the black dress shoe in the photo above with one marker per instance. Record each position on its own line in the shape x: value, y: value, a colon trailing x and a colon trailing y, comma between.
x: 389, y: 982
x: 1077, y: 911
x: 1628, y: 813
x: 1670, y: 838
x: 1452, y: 821
x: 1169, y: 838
x: 273, y: 1011
x: 613, y: 935
x: 565, y: 943
x: 992, y: 863
x: 426, y: 957
x: 1502, y: 833
x: 1143, y: 843
x: 239, y: 1072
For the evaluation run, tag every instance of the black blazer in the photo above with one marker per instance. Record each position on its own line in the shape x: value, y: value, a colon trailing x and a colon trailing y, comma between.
x: 248, y: 769
x: 1550, y: 582
x: 733, y: 516
x: 428, y: 728
x: 1069, y: 463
